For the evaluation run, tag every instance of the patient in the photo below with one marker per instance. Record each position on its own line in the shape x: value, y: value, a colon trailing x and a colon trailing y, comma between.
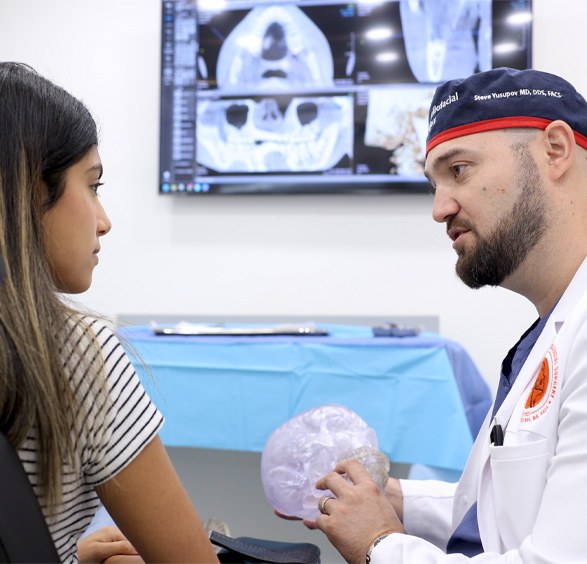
x: 71, y: 403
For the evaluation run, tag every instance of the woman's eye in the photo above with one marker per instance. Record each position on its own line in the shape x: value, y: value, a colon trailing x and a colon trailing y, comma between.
x: 94, y: 187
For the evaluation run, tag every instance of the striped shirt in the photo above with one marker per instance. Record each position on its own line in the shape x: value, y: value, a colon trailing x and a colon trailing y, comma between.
x: 116, y: 429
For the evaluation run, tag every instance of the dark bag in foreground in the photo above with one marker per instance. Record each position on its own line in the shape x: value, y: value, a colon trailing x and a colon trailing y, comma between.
x: 247, y: 549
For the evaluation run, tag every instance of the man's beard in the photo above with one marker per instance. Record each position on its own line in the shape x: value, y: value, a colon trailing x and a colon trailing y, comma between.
x: 496, y: 257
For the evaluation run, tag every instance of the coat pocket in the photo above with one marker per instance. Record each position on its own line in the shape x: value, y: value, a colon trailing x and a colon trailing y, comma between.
x: 518, y: 478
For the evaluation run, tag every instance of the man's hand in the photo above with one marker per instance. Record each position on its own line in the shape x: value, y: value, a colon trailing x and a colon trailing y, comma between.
x: 358, y: 514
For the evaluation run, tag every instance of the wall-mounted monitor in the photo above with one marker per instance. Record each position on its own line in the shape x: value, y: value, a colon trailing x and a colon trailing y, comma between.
x: 317, y: 96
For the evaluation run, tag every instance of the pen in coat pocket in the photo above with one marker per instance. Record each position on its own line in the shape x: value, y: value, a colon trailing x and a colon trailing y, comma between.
x: 496, y: 435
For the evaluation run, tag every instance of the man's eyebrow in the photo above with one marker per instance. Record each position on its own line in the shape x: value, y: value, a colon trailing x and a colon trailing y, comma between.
x: 441, y: 159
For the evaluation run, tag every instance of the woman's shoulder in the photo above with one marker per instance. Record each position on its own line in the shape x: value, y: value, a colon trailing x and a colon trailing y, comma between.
x: 90, y: 343
x: 81, y: 326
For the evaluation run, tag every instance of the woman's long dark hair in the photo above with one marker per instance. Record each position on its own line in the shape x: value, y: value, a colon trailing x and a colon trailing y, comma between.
x: 43, y: 131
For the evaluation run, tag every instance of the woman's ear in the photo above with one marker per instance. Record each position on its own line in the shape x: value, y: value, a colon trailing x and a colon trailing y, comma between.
x: 560, y: 144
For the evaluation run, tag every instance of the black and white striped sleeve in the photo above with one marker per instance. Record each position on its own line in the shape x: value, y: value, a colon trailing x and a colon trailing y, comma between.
x: 123, y: 423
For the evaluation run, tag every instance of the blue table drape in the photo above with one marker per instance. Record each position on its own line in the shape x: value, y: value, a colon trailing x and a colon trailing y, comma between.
x: 423, y: 395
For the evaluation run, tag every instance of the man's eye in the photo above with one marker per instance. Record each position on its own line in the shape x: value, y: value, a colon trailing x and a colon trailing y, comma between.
x: 457, y: 169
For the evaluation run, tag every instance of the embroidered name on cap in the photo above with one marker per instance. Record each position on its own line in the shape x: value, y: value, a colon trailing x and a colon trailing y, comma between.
x: 504, y: 98
x: 544, y: 389
x: 521, y: 92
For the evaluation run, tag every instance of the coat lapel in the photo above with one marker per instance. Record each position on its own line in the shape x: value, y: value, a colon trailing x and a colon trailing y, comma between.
x: 475, y: 483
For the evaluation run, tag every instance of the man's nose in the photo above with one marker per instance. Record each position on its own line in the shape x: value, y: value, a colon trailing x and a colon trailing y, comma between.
x: 445, y: 206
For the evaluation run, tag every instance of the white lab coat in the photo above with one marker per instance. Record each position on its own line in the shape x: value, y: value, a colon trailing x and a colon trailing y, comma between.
x: 532, y: 491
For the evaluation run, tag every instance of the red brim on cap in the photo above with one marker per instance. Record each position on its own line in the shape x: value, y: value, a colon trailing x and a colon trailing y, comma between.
x: 497, y: 123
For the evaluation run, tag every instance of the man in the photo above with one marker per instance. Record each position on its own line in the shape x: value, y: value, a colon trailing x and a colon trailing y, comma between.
x: 507, y: 159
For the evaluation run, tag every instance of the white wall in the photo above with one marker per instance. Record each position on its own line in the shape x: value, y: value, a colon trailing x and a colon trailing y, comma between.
x: 261, y: 255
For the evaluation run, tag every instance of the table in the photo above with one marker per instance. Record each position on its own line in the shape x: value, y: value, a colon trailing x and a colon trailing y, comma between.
x: 423, y: 395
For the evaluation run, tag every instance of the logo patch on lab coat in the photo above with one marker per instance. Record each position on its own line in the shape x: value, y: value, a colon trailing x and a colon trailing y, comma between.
x: 545, y: 387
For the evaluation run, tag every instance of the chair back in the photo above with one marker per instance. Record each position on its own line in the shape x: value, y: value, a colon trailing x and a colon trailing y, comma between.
x: 24, y: 535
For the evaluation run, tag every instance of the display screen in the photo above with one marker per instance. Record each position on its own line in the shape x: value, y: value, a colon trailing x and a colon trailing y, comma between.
x: 317, y: 96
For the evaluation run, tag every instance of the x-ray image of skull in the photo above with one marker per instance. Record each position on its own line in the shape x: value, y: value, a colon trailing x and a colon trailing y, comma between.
x: 446, y: 39
x: 275, y: 48
x: 269, y: 135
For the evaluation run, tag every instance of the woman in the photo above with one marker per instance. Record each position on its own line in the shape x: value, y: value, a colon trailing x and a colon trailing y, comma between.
x: 70, y: 401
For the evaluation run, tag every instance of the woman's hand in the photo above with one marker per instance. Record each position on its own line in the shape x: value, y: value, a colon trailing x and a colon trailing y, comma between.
x: 107, y: 544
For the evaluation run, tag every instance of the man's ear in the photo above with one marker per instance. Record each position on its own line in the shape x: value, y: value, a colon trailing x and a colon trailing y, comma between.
x: 560, y: 147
